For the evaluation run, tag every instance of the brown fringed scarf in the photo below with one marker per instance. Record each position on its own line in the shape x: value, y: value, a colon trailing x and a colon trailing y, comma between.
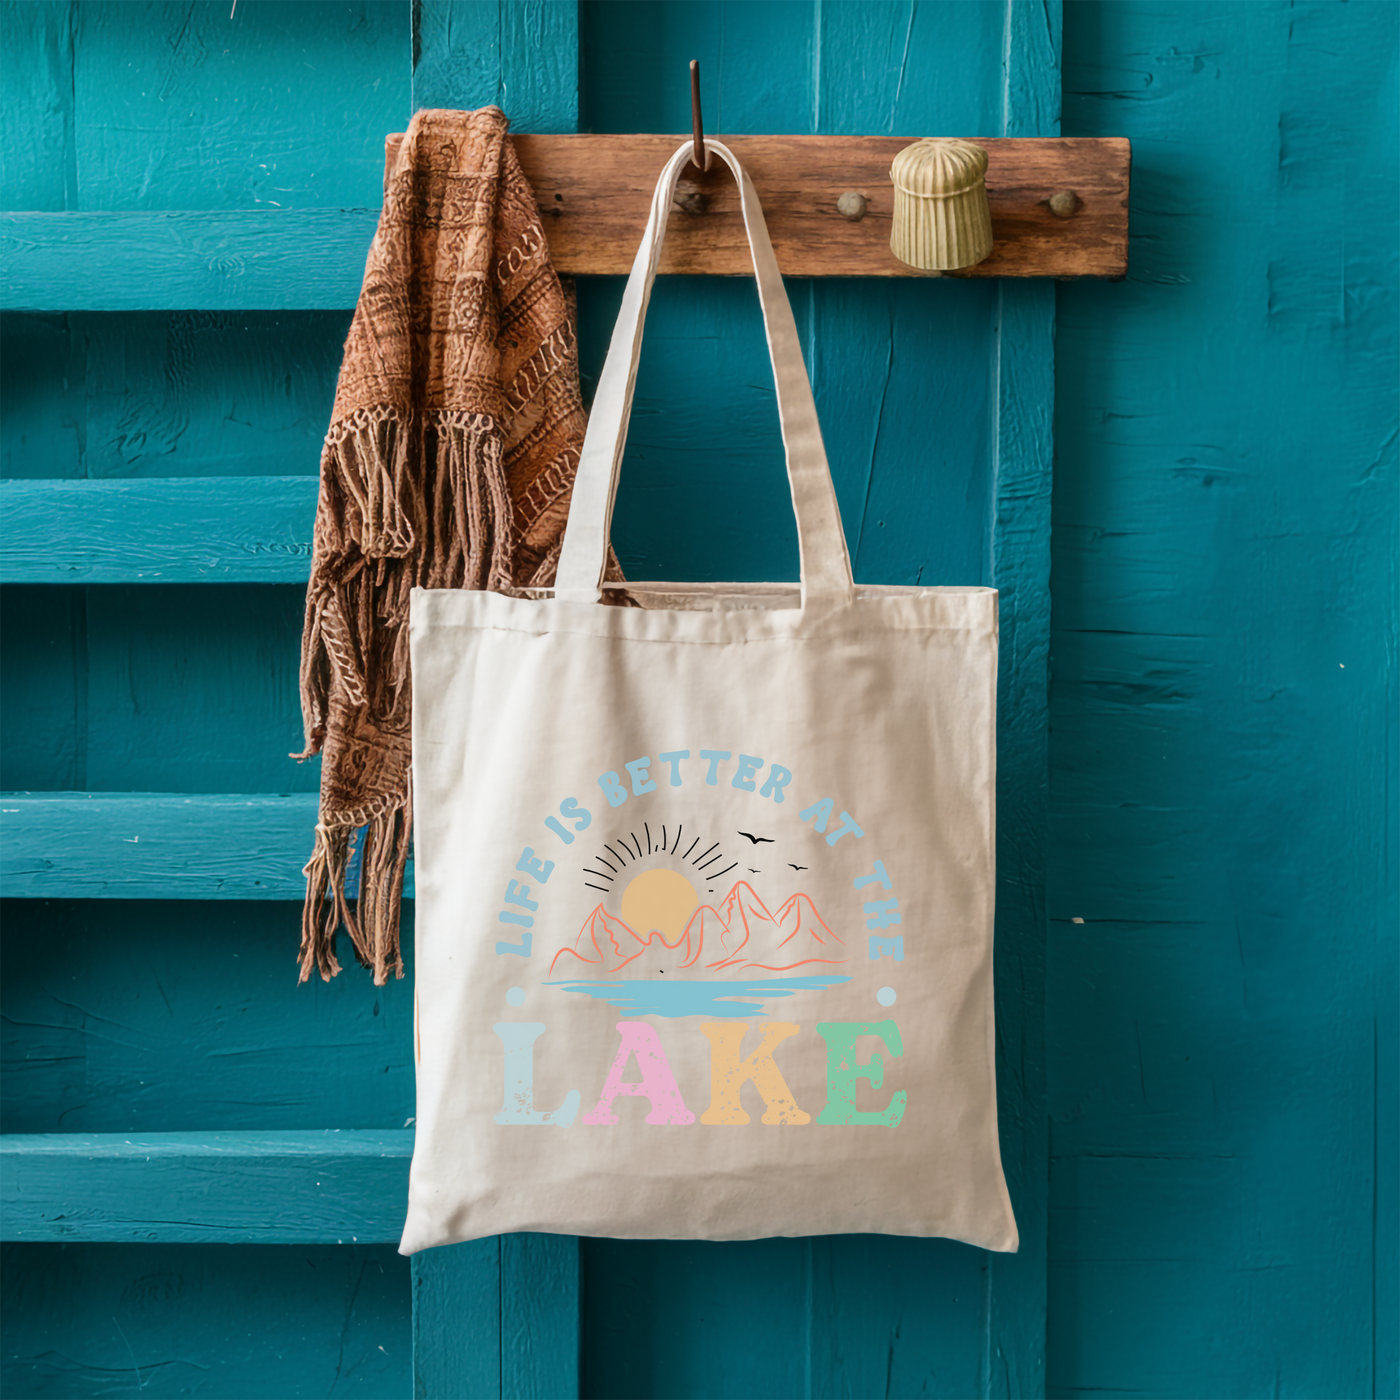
x: 448, y: 464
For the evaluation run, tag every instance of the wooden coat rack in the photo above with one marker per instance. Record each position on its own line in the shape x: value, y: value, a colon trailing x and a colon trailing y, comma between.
x: 1059, y: 205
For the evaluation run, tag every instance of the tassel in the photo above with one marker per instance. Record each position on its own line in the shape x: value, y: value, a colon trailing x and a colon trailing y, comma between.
x: 382, y: 866
x: 373, y: 920
x: 324, y: 908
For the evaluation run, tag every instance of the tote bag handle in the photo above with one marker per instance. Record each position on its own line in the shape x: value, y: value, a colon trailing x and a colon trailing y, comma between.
x: 825, y: 565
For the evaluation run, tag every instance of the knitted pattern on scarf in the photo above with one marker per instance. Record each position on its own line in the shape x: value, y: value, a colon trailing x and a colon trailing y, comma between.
x: 448, y: 464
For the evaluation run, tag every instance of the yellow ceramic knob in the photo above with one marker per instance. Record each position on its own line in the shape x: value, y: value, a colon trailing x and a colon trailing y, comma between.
x: 942, y: 219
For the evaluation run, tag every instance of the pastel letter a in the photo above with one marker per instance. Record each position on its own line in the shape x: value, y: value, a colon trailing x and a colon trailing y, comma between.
x: 657, y: 1084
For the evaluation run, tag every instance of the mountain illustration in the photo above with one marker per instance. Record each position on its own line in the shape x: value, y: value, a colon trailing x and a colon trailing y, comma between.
x: 740, y: 936
x: 747, y: 925
x: 805, y: 933
x: 707, y: 928
x: 602, y: 939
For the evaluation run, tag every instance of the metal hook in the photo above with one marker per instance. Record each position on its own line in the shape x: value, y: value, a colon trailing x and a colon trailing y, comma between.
x: 699, y: 156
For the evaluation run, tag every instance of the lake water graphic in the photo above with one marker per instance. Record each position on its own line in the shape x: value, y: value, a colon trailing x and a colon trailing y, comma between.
x: 654, y: 997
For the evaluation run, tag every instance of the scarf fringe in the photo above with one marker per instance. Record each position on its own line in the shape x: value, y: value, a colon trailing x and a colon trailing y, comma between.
x: 369, y: 452
x: 372, y: 919
x: 355, y: 672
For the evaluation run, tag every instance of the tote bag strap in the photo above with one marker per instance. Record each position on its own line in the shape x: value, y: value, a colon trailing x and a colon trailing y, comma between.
x: 826, y: 567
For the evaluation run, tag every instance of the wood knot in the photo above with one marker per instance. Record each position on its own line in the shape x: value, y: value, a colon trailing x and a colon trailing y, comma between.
x: 852, y: 206
x: 690, y: 200
x: 1064, y: 204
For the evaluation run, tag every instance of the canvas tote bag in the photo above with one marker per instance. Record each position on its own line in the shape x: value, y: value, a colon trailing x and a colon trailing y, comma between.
x: 704, y: 883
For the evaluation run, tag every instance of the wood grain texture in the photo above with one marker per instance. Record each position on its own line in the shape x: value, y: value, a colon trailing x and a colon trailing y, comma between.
x: 1021, y: 572
x: 43, y: 640
x: 458, y: 1304
x: 541, y: 1327
x: 595, y: 190
x: 181, y: 1015
x: 199, y: 260
x: 247, y: 106
x: 167, y: 393
x: 228, y: 1322
x: 1222, y: 994
x: 191, y: 690
x: 1023, y: 479
x: 134, y: 845
x: 520, y: 55
x: 144, y: 688
x: 163, y: 530
x: 321, y: 1187
x: 38, y: 163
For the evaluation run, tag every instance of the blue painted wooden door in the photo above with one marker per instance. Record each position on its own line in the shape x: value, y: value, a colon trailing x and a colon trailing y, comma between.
x: 206, y: 1162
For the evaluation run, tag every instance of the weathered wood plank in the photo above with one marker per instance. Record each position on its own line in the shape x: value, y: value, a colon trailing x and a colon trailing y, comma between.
x: 594, y: 192
x: 235, y: 106
x: 205, y: 260
x: 1022, y: 485
x: 78, y: 845
x: 38, y: 164
x: 167, y: 1016
x: 168, y: 393
x: 457, y: 1305
x: 221, y: 529
x: 542, y: 1276
x: 1222, y: 1018
x: 1023, y: 476
x: 160, y: 1321
x: 318, y: 1187
x: 457, y: 55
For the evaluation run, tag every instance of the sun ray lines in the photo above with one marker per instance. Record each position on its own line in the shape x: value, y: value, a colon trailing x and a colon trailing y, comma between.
x: 627, y: 849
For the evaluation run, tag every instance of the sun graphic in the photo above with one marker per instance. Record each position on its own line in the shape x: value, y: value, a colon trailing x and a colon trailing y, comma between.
x: 660, y: 901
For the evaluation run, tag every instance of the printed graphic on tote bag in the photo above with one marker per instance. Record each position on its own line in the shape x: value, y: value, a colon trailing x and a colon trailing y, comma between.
x: 679, y: 928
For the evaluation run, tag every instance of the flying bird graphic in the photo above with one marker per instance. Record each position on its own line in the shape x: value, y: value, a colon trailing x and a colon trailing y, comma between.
x: 797, y: 867
x: 752, y: 871
x: 757, y: 839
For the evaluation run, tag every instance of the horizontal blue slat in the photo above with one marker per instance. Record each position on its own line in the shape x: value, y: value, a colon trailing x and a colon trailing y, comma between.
x: 197, y: 260
x: 78, y: 845
x: 229, y: 529
x: 317, y: 1187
